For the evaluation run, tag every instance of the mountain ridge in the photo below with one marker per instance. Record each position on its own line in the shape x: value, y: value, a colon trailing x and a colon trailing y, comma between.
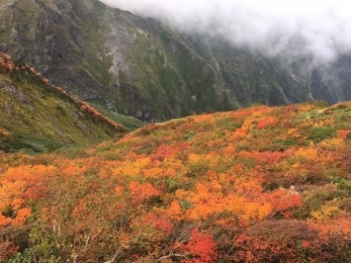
x: 138, y: 66
x: 37, y: 116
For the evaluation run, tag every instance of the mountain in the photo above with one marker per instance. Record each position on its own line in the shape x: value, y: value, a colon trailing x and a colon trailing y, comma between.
x: 253, y: 77
x: 37, y: 116
x: 261, y: 184
x: 137, y: 66
x: 110, y: 57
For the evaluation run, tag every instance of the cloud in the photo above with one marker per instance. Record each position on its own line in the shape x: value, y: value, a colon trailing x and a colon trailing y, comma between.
x: 319, y: 29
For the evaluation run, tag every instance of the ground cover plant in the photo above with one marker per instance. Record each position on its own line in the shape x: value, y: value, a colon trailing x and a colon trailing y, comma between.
x: 263, y: 184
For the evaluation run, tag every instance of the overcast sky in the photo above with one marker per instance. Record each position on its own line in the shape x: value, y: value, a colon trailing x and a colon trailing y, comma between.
x: 300, y: 27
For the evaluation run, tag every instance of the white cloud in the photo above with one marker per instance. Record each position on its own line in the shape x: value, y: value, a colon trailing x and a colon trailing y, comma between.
x: 321, y: 28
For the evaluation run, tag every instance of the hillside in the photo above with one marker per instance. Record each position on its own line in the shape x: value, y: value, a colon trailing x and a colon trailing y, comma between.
x: 38, y: 117
x: 141, y: 67
x: 263, y: 184
x: 106, y: 56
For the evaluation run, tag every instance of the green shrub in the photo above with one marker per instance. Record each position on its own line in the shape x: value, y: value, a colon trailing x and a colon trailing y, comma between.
x: 316, y: 199
x: 228, y: 123
x: 342, y: 106
x: 318, y: 134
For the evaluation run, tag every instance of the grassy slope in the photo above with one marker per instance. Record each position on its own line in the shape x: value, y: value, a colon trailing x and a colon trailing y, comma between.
x: 129, y: 122
x: 39, y: 117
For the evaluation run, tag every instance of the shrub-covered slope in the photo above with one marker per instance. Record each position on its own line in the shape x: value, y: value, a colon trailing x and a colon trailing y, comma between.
x: 254, y: 185
x: 38, y: 117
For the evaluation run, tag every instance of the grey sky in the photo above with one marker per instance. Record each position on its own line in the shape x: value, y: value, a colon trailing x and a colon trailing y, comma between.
x: 318, y: 28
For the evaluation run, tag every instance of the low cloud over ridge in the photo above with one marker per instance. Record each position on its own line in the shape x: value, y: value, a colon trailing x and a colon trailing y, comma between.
x: 320, y: 29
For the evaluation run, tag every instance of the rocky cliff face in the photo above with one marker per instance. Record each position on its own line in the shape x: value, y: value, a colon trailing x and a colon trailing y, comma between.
x: 139, y: 67
x: 110, y: 57
x: 253, y: 77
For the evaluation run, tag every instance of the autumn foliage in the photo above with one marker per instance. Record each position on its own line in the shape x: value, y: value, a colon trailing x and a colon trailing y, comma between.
x: 6, y: 64
x: 85, y: 107
x: 254, y: 185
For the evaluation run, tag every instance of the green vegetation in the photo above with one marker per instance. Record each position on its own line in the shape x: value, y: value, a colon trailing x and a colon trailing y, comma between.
x: 37, y: 117
x: 129, y: 122
x: 318, y: 134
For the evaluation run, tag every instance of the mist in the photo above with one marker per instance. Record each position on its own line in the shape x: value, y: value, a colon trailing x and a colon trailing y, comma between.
x: 320, y: 30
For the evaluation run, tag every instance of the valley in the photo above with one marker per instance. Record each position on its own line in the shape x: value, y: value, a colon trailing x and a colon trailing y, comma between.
x: 123, y: 139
